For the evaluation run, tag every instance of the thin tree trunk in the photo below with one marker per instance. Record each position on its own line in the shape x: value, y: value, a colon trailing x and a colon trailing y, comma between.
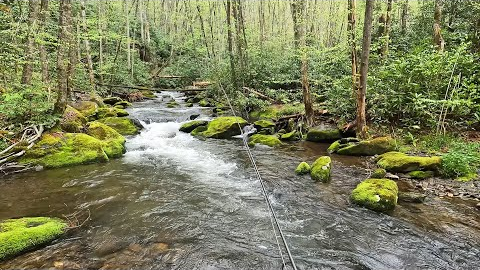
x: 127, y: 27
x: 437, y: 30
x: 361, y: 97
x: 203, y: 29
x: 404, y: 16
x: 86, y: 43
x: 100, y: 40
x: 44, y: 14
x: 352, y: 21
x: 230, y: 43
x: 34, y: 6
x: 388, y: 26
x: 261, y: 20
x: 74, y: 51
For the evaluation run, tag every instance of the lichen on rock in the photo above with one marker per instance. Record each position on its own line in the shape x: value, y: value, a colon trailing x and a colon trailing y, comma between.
x: 190, y: 126
x: 268, y: 140
x: 400, y: 162
x: 321, y: 169
x: 303, y: 168
x: 124, y: 126
x: 113, y: 142
x: 224, y: 127
x: 376, y: 194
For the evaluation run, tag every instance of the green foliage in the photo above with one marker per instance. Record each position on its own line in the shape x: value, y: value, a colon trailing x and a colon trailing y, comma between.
x: 463, y: 159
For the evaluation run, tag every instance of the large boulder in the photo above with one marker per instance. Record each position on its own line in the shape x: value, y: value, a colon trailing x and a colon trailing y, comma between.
x: 323, y: 135
x: 224, y: 127
x: 403, y: 163
x: 72, y: 121
x: 376, y: 194
x: 87, y: 108
x: 113, y: 142
x: 124, y: 126
x: 303, y: 168
x: 24, y: 234
x: 266, y: 127
x: 65, y: 149
x: 268, y: 140
x: 321, y: 169
x: 190, y: 126
x: 353, y: 147
x: 112, y: 100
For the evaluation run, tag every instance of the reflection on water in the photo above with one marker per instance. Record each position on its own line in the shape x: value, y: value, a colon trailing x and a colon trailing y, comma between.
x: 176, y: 202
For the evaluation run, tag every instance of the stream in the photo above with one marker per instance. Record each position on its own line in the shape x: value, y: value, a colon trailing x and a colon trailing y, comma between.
x: 176, y: 202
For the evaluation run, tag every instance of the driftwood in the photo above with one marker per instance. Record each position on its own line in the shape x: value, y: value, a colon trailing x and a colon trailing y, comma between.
x: 261, y: 96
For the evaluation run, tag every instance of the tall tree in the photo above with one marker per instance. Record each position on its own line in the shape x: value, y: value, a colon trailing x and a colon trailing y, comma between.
x: 388, y: 26
x: 86, y: 43
x: 34, y: 6
x: 361, y: 120
x: 228, y: 7
x: 65, y: 40
x: 437, y: 29
x: 352, y: 21
x: 404, y: 16
x: 44, y: 14
x: 299, y: 22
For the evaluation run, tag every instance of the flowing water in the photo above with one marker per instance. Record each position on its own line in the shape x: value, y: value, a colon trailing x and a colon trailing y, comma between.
x: 177, y: 202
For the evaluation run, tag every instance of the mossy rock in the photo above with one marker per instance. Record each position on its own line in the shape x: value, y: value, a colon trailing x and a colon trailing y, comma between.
x: 113, y: 142
x: 20, y: 235
x: 291, y: 136
x: 56, y: 150
x: 303, y: 168
x: 403, y: 163
x: 122, y: 104
x: 321, y: 169
x: 379, y: 173
x: 189, y: 105
x: 190, y: 126
x: 198, y: 131
x: 351, y: 147
x: 112, y: 100
x: 87, y: 108
x: 148, y: 94
x: 260, y: 124
x: 111, y: 112
x: 376, y: 194
x: 72, y: 121
x: 421, y: 175
x: 268, y: 140
x: 121, y: 112
x: 124, y: 126
x: 323, y: 135
x: 204, y: 103
x: 224, y: 127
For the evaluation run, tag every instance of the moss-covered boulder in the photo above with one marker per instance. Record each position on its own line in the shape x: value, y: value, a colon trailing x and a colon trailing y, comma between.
x: 321, y: 169
x: 260, y: 124
x: 353, y: 147
x: 113, y: 142
x: 56, y: 150
x: 122, y: 104
x: 87, y: 108
x: 322, y: 135
x: 421, y: 175
x: 72, y: 121
x: 303, y: 168
x: 121, y: 112
x: 20, y: 235
x: 268, y: 140
x: 205, y: 103
x: 400, y: 162
x: 190, y: 126
x: 224, y: 127
x: 148, y: 94
x: 379, y: 173
x: 112, y: 100
x: 291, y: 136
x: 376, y: 194
x: 198, y: 131
x: 124, y: 126
x: 111, y: 112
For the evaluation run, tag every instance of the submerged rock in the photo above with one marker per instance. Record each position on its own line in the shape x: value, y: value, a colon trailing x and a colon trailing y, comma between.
x: 124, y: 126
x: 379, y: 173
x: 321, y: 169
x: 72, y: 121
x: 411, y: 197
x: 112, y: 100
x: 224, y: 127
x: 190, y: 126
x: 24, y: 234
x: 268, y: 140
x: 323, y: 135
x: 376, y: 194
x: 353, y: 147
x: 87, y: 108
x: 303, y: 168
x: 113, y: 142
x: 56, y: 150
x: 420, y: 175
x: 400, y: 162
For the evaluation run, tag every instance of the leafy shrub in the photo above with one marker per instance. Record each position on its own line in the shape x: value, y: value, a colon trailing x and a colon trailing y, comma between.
x: 463, y: 159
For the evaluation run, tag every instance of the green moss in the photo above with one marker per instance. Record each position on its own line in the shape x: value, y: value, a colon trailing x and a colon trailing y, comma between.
x: 379, y: 173
x: 372, y: 147
x: 190, y: 126
x: 268, y: 140
x: 323, y: 135
x: 121, y: 112
x: 113, y: 142
x: 421, y: 174
x: 23, y: 234
x: 291, y: 136
x: 376, y: 194
x: 334, y: 147
x: 122, y: 104
x: 72, y: 121
x: 148, y: 94
x: 321, y: 169
x: 87, y: 108
x: 224, y: 127
x: 263, y: 124
x: 198, y: 131
x: 467, y: 178
x: 56, y: 150
x: 303, y: 168
x: 400, y: 162
x: 277, y: 111
x: 124, y: 126
x: 204, y: 103
x: 112, y: 100
x: 172, y: 104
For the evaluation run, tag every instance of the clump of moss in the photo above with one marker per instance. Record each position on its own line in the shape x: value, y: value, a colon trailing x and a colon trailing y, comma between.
x: 400, y: 162
x: 122, y: 104
x: 376, y: 194
x: 291, y: 136
x: 72, y: 121
x: 379, y: 173
x: 263, y: 124
x: 113, y: 142
x: 87, y: 108
x: 268, y: 140
x: 172, y: 104
x: 421, y: 175
x: 198, y: 131
x: 205, y: 103
x: 148, y: 94
x: 111, y: 112
x: 124, y: 126
x: 20, y: 235
x: 303, y: 168
x: 353, y: 147
x: 321, y: 169
x: 323, y: 135
x: 224, y: 127
x: 112, y: 100
x: 190, y: 126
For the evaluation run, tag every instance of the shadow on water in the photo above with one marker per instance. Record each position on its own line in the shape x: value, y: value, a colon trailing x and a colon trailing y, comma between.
x: 176, y: 202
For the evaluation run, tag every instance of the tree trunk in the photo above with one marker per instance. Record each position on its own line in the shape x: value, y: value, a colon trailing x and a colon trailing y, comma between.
x: 34, y: 6
x: 202, y: 26
x: 404, y: 16
x: 352, y: 21
x: 100, y: 40
x: 65, y: 37
x: 230, y: 43
x: 361, y: 97
x: 437, y: 30
x: 86, y: 42
x: 127, y: 27
x: 44, y: 14
x: 388, y: 26
x: 261, y: 16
